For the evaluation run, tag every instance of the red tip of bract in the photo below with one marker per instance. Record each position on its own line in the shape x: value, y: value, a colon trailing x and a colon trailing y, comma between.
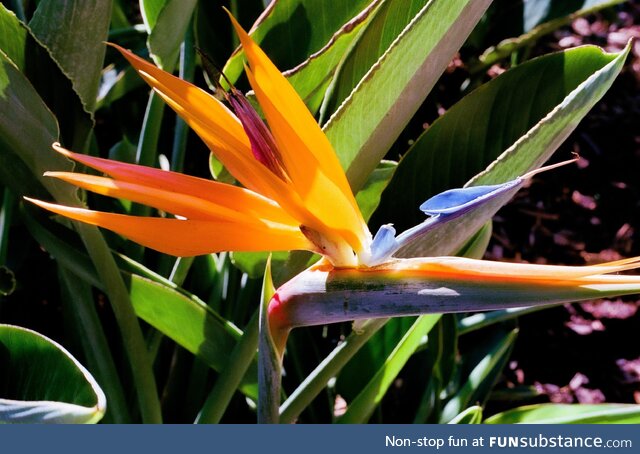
x: 263, y: 145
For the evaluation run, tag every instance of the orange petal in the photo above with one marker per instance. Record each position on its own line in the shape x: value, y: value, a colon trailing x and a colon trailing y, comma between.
x: 188, y: 237
x: 212, y: 121
x: 172, y: 202
x: 470, y: 269
x: 236, y: 198
x: 309, y: 158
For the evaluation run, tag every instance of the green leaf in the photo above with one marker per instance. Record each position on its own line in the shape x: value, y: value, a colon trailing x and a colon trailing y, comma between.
x: 472, y: 415
x: 50, y: 82
x: 389, y: 20
x: 167, y: 22
x: 42, y: 383
x: 13, y: 36
x: 77, y: 297
x: 502, y: 122
x: 483, y: 375
x: 541, y: 17
x: 74, y: 31
x: 285, y: 265
x: 368, y: 197
x: 312, y: 77
x: 477, y: 244
x: 150, y: 10
x: 374, y: 114
x: 254, y: 263
x: 362, y: 368
x: 360, y: 410
x: 569, y: 414
x: 27, y: 130
x: 312, y: 23
x: 189, y: 322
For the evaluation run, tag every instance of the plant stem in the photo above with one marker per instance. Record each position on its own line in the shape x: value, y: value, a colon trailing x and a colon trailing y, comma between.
x: 317, y: 380
x: 187, y: 71
x: 133, y: 340
x: 77, y: 294
x: 230, y: 378
x: 483, y: 319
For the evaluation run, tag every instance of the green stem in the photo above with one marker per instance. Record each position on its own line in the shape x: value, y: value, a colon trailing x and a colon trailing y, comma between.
x: 180, y: 270
x: 230, y: 378
x: 147, y: 151
x: 133, y: 341
x: 483, y: 319
x: 317, y: 380
x: 360, y: 410
x: 94, y: 343
x: 187, y: 72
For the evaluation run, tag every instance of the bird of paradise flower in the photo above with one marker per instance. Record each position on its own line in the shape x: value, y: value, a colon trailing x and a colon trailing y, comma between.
x: 296, y: 197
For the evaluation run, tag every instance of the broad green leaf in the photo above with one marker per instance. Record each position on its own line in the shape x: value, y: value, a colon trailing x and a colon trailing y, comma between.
x: 45, y: 74
x: 189, y: 322
x: 312, y: 77
x: 361, y: 408
x: 312, y: 23
x: 482, y: 377
x: 389, y: 20
x: 27, y: 130
x: 167, y: 22
x: 13, y: 36
x: 569, y: 414
x: 74, y: 31
x: 42, y: 383
x: 477, y: 244
x: 119, y: 16
x: 502, y: 122
x: 472, y: 415
x: 368, y: 197
x: 541, y: 17
x: 150, y: 10
x: 374, y: 114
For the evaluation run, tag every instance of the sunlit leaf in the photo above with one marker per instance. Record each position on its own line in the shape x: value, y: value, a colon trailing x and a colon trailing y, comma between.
x: 42, y: 383
x: 74, y: 31
x: 569, y: 414
x: 374, y: 114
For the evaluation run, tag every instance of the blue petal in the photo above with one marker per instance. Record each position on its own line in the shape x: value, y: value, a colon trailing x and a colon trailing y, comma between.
x: 384, y: 244
x: 462, y: 199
